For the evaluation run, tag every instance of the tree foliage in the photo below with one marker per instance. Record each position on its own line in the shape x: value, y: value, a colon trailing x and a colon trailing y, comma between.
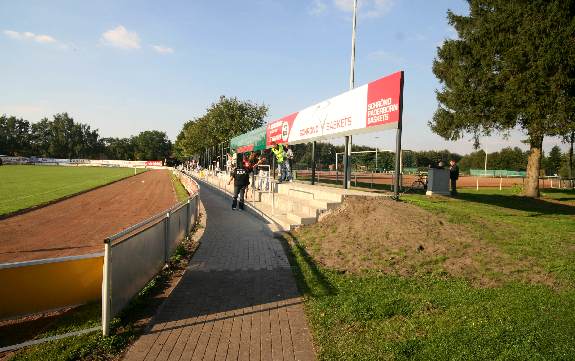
x: 152, y: 144
x: 223, y: 120
x: 14, y: 136
x: 512, y: 66
x: 552, y: 163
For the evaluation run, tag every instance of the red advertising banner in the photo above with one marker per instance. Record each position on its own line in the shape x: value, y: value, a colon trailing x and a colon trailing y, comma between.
x: 278, y: 131
x: 368, y: 108
x: 383, y: 99
x: 154, y: 163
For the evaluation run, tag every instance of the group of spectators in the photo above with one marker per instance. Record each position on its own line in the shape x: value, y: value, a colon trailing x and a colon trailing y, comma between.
x: 241, y: 168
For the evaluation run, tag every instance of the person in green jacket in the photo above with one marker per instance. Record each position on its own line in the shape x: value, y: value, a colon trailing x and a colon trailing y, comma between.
x: 278, y: 151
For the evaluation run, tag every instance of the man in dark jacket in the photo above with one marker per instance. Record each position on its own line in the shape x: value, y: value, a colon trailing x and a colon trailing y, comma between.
x: 453, y: 176
x: 241, y: 177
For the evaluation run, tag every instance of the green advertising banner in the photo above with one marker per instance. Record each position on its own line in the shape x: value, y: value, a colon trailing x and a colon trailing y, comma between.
x: 250, y: 141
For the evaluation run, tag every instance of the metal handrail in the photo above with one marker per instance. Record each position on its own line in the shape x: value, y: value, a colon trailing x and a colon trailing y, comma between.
x: 298, y: 190
x: 148, y: 221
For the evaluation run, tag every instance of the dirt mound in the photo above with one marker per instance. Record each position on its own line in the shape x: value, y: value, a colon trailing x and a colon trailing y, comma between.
x: 368, y: 233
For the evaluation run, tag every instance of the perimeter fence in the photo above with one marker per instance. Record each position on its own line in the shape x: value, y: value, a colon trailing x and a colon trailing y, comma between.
x: 131, y: 258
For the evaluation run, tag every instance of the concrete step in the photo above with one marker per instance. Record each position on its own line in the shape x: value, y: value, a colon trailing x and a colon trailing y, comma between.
x: 287, y: 204
x: 301, y: 219
x: 304, y: 191
x: 281, y: 219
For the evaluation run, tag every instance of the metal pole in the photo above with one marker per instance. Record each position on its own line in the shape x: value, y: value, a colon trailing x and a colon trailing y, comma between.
x: 397, y: 161
x: 397, y: 184
x: 485, y: 172
x: 106, y: 290
x: 376, y: 151
x: 401, y: 167
x: 166, y: 237
x: 348, y: 140
x: 313, y: 163
x: 188, y: 221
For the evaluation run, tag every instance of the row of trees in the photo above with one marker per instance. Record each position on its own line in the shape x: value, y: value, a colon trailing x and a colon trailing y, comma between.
x: 62, y: 137
x: 555, y: 163
x: 511, y: 66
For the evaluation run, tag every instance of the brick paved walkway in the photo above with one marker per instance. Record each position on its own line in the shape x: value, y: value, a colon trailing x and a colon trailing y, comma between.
x: 237, y: 301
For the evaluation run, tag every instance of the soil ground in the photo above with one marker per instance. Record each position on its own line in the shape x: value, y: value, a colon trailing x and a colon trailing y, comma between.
x: 79, y: 225
x: 399, y: 238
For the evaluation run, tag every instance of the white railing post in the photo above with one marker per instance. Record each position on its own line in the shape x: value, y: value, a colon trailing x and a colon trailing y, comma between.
x: 166, y: 237
x: 106, y: 290
x: 188, y: 220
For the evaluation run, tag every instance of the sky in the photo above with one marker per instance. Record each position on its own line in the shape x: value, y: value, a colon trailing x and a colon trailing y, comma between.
x: 128, y: 66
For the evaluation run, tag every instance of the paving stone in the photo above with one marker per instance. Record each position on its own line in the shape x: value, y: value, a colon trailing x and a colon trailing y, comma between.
x: 237, y: 300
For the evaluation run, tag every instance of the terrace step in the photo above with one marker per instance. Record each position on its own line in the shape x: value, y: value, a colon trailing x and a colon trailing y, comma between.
x: 305, y: 191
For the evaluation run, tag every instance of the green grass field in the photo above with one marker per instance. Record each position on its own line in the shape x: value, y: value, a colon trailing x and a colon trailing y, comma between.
x: 24, y: 186
x: 379, y: 316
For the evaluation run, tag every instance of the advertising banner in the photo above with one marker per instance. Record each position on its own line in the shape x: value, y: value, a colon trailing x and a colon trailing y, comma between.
x: 154, y: 163
x: 368, y: 108
x: 250, y: 141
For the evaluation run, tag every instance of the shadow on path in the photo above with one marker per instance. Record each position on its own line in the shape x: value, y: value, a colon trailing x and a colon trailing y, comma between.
x: 237, y: 300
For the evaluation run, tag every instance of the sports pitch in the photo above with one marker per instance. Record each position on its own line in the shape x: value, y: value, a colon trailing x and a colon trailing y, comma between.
x: 25, y: 186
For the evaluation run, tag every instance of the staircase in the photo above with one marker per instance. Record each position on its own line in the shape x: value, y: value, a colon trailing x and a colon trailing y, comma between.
x: 288, y: 205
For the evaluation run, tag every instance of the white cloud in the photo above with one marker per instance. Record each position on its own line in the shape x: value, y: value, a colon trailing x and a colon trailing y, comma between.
x: 44, y: 39
x: 120, y: 37
x: 39, y: 38
x: 162, y: 49
x: 317, y: 7
x: 369, y: 8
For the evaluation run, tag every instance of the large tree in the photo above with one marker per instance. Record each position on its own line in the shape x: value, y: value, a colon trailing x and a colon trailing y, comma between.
x: 119, y: 148
x: 223, y: 120
x: 62, y: 137
x: 512, y: 66
x: 14, y: 136
x: 553, y: 161
x: 152, y: 145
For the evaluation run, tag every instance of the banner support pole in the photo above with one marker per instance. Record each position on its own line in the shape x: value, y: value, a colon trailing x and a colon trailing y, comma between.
x: 398, y: 165
x: 313, y: 162
x: 347, y: 155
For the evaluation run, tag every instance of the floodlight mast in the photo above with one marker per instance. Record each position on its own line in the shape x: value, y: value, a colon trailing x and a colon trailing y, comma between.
x: 348, y: 141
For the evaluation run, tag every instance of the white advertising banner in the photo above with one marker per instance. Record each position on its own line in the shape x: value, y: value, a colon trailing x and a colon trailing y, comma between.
x: 371, y: 107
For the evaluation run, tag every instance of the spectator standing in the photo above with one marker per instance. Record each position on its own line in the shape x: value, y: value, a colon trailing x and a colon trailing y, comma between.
x: 288, y: 163
x: 278, y: 151
x: 453, y: 176
x: 241, y: 177
x: 262, y: 174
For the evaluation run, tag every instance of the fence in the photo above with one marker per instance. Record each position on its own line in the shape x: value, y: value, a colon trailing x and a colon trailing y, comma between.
x: 134, y: 256
x: 497, y: 173
x: 131, y: 258
x: 385, y: 180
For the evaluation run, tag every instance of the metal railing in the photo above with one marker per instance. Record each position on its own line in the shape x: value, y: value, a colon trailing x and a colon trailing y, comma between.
x: 135, y: 255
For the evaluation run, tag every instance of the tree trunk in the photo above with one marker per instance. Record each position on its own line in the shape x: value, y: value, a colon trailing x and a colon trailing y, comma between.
x: 533, y: 167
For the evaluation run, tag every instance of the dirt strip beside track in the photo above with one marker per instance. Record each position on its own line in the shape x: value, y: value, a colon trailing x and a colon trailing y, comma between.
x: 78, y: 225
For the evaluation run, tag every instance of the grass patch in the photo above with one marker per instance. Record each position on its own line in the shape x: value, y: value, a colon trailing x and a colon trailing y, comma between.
x: 181, y: 192
x: 381, y: 315
x: 125, y: 328
x: 25, y: 186
x: 540, y: 229
x: 375, y: 316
